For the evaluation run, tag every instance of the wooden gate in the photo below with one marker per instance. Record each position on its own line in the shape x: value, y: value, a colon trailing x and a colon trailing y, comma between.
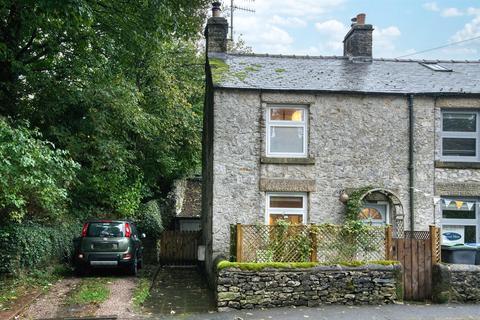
x: 179, y: 247
x: 417, y: 251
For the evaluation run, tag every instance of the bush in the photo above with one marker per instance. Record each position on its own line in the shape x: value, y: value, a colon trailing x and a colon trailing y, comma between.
x: 150, y: 218
x: 35, y: 176
x: 30, y: 246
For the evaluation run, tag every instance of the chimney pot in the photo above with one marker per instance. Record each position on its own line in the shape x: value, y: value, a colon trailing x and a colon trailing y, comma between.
x: 361, y: 18
x: 216, y: 9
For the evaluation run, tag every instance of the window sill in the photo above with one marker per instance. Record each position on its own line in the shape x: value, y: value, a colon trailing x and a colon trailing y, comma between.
x: 271, y: 160
x: 457, y: 165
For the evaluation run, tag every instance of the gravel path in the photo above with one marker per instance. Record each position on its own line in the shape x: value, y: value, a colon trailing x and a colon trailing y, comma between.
x: 120, y: 301
x: 48, y: 305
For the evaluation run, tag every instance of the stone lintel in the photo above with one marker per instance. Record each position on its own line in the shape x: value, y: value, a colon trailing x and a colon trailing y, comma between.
x: 457, y: 189
x: 458, y: 103
x: 457, y: 165
x: 287, y: 185
x: 270, y: 160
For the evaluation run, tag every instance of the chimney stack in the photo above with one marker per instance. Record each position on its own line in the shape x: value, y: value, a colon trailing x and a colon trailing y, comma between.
x: 357, y: 44
x: 216, y: 31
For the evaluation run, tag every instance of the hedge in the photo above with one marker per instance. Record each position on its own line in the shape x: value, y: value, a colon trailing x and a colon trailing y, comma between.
x: 30, y: 246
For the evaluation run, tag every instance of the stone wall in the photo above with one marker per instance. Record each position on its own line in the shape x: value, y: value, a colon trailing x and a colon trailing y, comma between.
x: 374, y: 284
x: 456, y: 283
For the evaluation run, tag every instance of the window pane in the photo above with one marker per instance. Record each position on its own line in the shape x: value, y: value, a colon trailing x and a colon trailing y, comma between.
x: 293, y: 219
x: 284, y: 114
x: 286, y: 202
x: 286, y: 139
x: 470, y: 234
x: 463, y: 147
x: 463, y: 122
x: 458, y: 214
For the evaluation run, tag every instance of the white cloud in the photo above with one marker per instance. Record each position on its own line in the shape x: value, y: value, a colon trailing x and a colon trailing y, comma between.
x: 473, y: 11
x: 431, y: 6
x: 384, y: 41
x: 469, y: 30
x: 333, y: 27
x: 451, y: 12
x: 287, y: 21
x: 268, y: 29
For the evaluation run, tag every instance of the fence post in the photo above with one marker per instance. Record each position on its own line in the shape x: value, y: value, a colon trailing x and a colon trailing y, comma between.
x: 435, y: 244
x: 313, y: 239
x: 388, y: 243
x: 239, y: 242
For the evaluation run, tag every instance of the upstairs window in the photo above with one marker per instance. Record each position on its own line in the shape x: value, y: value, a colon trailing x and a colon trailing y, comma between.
x: 286, y: 131
x: 460, y: 135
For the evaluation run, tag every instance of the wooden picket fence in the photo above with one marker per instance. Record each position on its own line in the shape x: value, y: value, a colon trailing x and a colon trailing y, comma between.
x: 179, y: 247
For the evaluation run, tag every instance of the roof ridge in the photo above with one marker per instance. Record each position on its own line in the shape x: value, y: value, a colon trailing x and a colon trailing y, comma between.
x: 346, y: 58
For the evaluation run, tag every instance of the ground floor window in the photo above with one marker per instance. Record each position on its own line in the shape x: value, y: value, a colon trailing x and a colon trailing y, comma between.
x: 291, y: 207
x: 375, y: 212
x: 459, y: 221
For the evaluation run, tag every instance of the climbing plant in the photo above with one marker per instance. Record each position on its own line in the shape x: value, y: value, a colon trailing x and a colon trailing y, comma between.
x: 355, y: 203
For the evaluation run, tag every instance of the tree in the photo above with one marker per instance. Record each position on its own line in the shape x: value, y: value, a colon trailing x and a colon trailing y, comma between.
x: 117, y: 84
x: 35, y: 175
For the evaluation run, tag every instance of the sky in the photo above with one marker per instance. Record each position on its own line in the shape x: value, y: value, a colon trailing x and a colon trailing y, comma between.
x: 402, y: 27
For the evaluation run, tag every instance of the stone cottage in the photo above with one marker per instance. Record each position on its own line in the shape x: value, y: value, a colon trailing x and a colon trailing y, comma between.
x: 286, y: 137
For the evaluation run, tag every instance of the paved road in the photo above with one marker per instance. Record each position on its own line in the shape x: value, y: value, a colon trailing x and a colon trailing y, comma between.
x: 390, y: 312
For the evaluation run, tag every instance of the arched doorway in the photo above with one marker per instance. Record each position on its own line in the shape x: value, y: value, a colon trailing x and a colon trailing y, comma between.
x: 383, y: 206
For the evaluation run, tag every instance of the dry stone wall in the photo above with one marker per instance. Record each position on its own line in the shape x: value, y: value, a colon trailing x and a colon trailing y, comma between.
x: 456, y: 283
x: 272, y: 287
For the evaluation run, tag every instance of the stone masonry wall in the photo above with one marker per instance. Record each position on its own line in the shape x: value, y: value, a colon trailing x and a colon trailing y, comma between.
x: 375, y: 284
x: 353, y: 141
x: 456, y: 283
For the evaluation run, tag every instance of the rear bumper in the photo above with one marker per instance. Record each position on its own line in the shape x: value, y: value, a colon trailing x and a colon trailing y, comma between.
x: 102, y: 260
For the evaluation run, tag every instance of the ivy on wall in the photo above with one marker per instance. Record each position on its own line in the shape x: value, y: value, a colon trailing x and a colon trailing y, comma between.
x: 355, y: 203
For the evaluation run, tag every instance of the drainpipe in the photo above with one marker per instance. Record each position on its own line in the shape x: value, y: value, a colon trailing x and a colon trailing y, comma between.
x: 411, y: 171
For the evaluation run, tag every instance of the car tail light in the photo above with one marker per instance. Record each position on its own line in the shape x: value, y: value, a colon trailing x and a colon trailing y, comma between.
x: 84, y: 230
x: 128, y: 231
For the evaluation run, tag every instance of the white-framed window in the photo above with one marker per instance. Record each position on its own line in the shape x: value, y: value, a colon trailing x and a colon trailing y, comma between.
x: 460, y: 220
x: 375, y: 213
x: 291, y: 207
x: 460, y: 135
x: 286, y: 131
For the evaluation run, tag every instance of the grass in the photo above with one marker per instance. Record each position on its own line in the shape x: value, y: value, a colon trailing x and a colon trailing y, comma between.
x: 12, y: 289
x: 91, y: 291
x: 141, y: 293
x: 254, y: 266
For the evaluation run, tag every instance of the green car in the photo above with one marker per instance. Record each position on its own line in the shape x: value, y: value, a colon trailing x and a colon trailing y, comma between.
x: 108, y: 244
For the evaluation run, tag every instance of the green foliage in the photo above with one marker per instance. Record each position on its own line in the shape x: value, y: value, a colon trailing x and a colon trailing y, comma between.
x: 355, y: 203
x: 255, y: 266
x: 31, y: 246
x: 36, y: 177
x: 119, y: 85
x: 91, y: 291
x: 149, y: 219
x: 142, y: 292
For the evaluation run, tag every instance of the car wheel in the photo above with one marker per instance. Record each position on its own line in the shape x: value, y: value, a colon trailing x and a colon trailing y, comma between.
x: 81, y: 271
x: 133, y: 267
x: 140, y: 263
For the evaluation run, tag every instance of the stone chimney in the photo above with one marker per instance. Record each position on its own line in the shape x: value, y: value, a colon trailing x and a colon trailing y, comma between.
x: 357, y: 44
x: 216, y: 31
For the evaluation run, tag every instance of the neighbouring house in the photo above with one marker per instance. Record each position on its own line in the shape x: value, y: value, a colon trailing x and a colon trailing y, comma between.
x: 187, y: 198
x: 286, y: 137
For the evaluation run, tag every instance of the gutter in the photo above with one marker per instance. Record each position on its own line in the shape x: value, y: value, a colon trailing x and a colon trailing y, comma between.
x: 411, y: 168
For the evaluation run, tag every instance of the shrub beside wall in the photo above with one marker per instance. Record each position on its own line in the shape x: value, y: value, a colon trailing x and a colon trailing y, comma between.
x: 456, y: 283
x: 309, y: 286
x: 30, y: 246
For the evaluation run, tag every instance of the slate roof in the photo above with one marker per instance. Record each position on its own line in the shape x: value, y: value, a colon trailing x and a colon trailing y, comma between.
x: 244, y: 71
x: 192, y: 201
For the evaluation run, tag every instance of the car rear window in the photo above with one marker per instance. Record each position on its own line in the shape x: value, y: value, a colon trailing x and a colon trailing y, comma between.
x: 106, y: 229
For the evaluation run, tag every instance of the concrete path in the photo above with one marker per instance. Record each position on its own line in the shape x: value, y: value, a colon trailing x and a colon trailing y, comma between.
x: 390, y: 312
